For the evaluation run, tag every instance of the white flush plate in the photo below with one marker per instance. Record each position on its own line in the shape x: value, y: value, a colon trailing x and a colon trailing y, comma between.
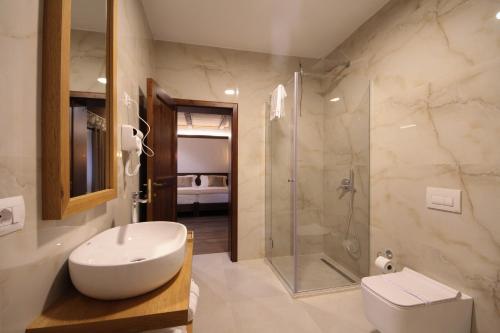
x: 12, y: 214
x: 444, y: 199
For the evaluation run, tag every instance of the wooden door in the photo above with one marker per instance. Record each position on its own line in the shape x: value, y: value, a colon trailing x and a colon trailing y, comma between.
x: 162, y: 168
x: 78, y: 181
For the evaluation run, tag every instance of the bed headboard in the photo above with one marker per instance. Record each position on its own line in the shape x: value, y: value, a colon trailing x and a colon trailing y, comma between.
x: 198, y: 174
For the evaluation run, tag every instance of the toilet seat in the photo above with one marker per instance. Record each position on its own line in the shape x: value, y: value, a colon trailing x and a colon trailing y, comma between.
x: 410, y: 302
x: 409, y: 288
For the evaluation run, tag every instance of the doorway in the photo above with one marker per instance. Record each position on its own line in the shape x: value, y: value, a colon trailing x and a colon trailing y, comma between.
x: 213, y: 219
x: 203, y: 175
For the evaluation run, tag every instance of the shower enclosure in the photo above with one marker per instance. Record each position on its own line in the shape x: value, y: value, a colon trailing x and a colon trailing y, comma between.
x: 317, y: 183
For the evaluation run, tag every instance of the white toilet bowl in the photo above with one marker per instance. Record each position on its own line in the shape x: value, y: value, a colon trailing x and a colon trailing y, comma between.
x: 409, y: 302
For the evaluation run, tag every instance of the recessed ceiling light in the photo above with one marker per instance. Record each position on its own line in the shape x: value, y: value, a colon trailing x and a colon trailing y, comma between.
x: 231, y: 92
x: 102, y: 80
x: 335, y: 99
x: 498, y: 16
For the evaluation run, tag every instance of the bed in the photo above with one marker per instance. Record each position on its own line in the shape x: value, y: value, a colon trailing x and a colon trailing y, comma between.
x: 200, y: 197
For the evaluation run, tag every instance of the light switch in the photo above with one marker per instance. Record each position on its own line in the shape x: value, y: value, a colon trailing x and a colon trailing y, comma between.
x: 444, y: 199
x: 12, y: 214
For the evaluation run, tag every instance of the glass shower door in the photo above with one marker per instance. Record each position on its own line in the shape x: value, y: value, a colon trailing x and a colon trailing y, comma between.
x: 279, y: 190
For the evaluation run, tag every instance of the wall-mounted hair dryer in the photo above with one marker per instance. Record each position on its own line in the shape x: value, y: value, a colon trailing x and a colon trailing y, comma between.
x: 132, y: 142
x: 133, y: 139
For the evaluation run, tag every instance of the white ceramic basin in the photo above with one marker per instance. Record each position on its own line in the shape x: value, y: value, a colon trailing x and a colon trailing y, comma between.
x: 129, y: 260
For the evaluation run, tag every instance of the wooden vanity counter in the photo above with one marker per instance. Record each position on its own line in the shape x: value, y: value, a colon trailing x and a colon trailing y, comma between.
x: 164, y: 307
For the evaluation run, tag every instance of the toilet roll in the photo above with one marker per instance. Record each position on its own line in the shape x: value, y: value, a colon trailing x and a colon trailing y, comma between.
x: 384, y: 265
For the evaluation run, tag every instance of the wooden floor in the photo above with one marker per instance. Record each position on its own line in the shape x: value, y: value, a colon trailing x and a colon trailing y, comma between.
x: 211, y: 233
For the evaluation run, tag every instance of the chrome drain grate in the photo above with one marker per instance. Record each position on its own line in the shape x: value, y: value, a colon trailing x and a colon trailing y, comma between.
x: 337, y: 270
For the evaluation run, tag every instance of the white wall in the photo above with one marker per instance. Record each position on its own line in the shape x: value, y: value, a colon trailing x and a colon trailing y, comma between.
x: 202, y: 155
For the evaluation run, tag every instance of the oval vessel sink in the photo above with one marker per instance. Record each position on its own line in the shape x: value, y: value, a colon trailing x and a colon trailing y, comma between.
x: 129, y: 260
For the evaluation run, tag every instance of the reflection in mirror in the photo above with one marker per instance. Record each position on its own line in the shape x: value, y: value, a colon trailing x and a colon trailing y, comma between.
x: 88, y: 111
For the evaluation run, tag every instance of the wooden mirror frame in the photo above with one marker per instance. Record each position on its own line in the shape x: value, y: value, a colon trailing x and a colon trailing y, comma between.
x: 56, y: 200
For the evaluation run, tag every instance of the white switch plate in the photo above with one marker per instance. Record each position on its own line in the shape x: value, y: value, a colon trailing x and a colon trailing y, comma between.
x: 15, y: 212
x: 444, y: 199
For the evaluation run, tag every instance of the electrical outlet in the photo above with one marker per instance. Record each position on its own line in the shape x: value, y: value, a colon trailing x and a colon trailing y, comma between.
x: 6, y: 217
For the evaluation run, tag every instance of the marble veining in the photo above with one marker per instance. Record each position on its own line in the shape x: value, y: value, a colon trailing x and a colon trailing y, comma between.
x: 434, y: 119
x: 435, y: 122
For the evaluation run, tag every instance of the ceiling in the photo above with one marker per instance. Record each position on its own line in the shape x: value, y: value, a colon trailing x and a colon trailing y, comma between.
x: 305, y: 28
x: 189, y: 123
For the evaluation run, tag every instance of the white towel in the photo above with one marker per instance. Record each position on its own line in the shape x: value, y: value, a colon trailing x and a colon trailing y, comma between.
x: 193, y: 303
x: 193, y: 300
x: 194, y: 288
x: 278, y: 102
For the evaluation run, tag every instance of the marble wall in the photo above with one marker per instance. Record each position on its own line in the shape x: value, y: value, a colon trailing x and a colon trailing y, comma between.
x: 203, y: 73
x: 33, y: 262
x: 435, y: 121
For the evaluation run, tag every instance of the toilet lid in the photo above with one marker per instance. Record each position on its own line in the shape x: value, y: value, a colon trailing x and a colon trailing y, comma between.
x: 409, y: 288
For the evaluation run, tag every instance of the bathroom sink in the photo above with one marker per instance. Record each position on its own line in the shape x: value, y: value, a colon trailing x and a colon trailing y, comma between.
x: 129, y: 260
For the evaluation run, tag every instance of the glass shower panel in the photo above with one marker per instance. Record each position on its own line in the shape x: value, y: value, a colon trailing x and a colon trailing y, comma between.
x: 279, y: 190
x: 332, y: 183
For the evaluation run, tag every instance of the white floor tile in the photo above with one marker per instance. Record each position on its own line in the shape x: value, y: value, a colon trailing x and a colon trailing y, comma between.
x: 248, y: 297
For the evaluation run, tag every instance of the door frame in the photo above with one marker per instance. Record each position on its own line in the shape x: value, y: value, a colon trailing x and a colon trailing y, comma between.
x: 233, y: 107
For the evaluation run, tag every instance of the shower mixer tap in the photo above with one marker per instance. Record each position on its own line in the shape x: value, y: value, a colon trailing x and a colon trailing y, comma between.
x: 347, y: 184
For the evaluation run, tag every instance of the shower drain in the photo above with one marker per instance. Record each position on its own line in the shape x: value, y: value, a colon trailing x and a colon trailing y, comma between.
x: 337, y: 270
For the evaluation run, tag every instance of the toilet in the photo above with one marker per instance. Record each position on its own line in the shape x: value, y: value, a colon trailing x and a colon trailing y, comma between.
x: 410, y: 302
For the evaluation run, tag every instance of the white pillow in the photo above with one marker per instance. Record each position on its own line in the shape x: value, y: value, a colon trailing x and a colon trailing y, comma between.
x: 204, y: 181
x: 193, y: 183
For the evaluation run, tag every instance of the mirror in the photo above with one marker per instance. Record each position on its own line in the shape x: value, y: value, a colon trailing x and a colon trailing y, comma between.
x: 79, y: 106
x: 87, y: 84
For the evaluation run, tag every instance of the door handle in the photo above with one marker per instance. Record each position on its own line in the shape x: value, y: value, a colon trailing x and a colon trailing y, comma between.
x: 159, y: 184
x: 149, y: 191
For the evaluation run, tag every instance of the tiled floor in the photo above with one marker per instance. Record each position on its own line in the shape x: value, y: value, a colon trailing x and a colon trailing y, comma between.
x: 248, y: 297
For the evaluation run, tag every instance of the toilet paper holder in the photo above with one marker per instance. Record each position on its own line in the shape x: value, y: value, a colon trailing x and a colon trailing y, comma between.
x: 386, y: 253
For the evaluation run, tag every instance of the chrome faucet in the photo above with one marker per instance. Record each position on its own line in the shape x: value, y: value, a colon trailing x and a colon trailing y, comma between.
x: 136, y: 200
x: 347, y: 184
